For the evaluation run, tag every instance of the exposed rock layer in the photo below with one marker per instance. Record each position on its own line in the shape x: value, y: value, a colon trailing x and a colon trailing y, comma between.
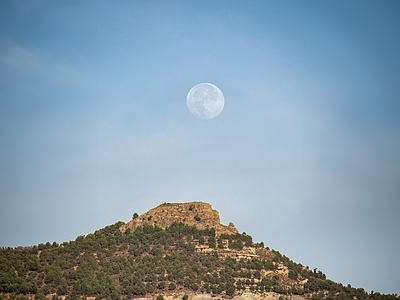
x: 243, y: 296
x: 199, y: 214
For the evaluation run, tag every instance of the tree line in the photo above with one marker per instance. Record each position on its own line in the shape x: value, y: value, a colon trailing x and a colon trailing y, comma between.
x: 109, y: 264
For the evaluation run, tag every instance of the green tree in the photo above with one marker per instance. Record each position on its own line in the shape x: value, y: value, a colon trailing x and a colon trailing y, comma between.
x: 212, y: 242
x: 172, y: 286
x: 230, y: 288
x: 62, y: 288
x: 293, y: 274
x: 161, y: 285
x: 53, y: 275
x: 40, y: 296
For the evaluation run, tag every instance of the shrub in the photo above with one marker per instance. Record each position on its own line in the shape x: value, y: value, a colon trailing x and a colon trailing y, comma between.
x: 172, y: 286
x: 292, y: 274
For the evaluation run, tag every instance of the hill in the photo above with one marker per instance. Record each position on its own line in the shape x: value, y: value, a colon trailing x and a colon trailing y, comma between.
x: 174, y: 251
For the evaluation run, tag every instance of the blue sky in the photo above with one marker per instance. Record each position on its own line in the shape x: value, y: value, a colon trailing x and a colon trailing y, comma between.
x: 304, y: 157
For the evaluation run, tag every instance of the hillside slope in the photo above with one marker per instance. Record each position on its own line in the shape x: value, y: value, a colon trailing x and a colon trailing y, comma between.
x: 175, y: 250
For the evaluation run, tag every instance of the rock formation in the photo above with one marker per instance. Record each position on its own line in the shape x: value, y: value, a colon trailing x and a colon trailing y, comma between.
x: 199, y: 214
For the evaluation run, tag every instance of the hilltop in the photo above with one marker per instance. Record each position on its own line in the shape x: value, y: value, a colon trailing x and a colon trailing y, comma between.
x: 173, y: 251
x: 196, y: 213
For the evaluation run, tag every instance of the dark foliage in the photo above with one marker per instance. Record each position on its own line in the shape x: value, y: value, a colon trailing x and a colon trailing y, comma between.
x: 114, y: 265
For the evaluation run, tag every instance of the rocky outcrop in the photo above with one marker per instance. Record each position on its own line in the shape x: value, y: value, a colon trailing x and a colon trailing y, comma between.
x: 199, y: 214
x: 243, y: 296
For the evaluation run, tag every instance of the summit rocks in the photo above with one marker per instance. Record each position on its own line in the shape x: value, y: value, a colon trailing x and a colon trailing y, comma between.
x: 199, y: 214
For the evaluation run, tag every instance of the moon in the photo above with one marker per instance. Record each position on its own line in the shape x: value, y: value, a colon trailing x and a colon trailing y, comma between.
x: 205, y: 101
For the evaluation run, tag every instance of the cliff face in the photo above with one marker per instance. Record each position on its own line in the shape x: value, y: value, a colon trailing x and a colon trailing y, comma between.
x: 199, y: 214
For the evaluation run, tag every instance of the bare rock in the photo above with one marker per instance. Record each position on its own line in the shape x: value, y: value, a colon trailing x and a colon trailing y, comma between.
x: 199, y: 214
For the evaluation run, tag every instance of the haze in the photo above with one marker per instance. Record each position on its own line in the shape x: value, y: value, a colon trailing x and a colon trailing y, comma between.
x: 305, y: 156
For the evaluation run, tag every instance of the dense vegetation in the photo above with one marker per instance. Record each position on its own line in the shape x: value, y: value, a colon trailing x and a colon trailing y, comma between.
x: 109, y: 264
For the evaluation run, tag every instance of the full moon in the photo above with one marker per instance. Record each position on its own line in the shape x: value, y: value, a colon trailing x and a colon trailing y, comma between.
x: 205, y: 101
